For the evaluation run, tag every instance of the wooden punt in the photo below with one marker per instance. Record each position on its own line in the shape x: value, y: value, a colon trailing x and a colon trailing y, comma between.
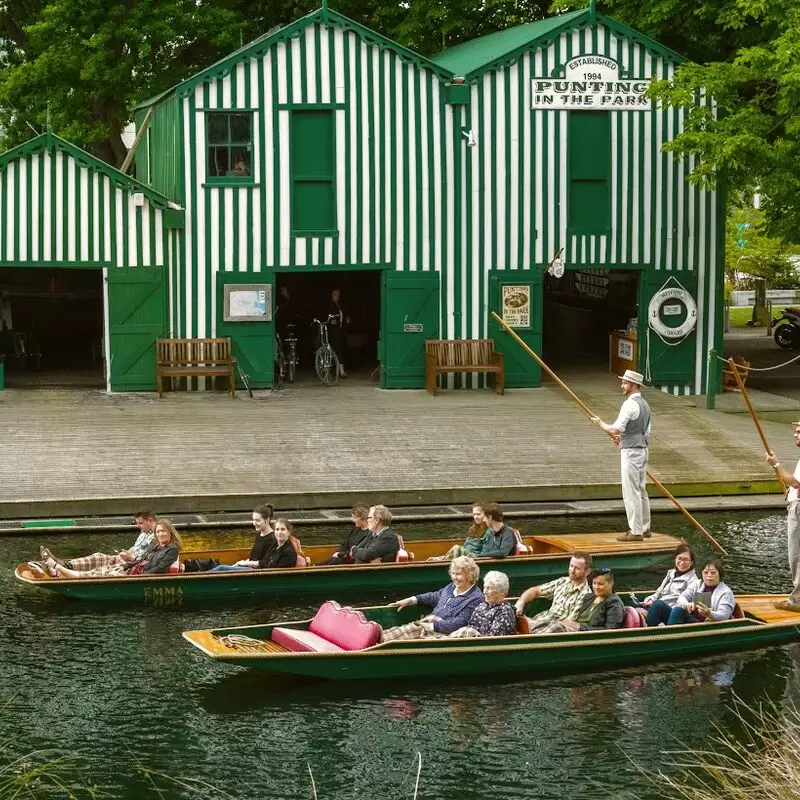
x: 762, y: 625
x: 551, y: 554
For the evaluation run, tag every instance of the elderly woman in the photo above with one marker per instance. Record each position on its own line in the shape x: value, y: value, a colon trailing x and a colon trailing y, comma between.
x: 162, y: 555
x: 720, y: 605
x: 452, y: 605
x: 494, y: 616
x: 675, y: 583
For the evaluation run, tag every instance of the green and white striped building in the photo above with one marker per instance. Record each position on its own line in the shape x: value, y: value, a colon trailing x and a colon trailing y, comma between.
x: 458, y: 181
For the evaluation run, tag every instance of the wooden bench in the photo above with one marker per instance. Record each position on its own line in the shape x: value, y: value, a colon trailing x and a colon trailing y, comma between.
x: 463, y: 355
x: 183, y: 358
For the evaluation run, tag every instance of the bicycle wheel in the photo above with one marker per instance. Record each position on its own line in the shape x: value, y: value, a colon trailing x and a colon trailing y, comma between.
x: 291, y: 364
x: 280, y: 370
x: 326, y: 365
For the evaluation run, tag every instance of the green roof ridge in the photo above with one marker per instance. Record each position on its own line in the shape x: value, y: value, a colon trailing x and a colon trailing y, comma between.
x: 470, y: 56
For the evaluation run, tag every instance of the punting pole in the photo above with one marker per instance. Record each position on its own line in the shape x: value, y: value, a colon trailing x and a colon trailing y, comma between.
x: 589, y: 413
x: 746, y: 398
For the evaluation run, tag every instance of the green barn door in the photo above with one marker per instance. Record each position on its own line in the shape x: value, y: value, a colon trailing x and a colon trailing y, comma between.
x: 514, y: 292
x: 253, y: 342
x: 409, y: 316
x: 137, y: 316
x: 665, y: 361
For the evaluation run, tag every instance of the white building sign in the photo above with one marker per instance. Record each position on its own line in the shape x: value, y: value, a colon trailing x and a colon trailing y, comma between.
x: 590, y: 83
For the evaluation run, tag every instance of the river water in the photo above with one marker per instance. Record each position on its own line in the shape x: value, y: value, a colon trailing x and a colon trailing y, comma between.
x: 134, y: 708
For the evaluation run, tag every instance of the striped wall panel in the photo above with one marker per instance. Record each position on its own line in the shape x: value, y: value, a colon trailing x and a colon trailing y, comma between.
x: 54, y: 210
x: 392, y: 155
x: 516, y: 180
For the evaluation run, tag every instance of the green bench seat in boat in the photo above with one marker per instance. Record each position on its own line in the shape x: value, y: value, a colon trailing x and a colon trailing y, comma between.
x: 332, y: 630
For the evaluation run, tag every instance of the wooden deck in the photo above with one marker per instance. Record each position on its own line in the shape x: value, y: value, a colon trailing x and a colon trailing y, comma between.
x: 216, y: 646
x: 762, y: 607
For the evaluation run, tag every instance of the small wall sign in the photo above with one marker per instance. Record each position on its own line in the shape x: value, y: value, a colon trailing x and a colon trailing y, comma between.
x: 248, y: 302
x: 591, y: 83
x: 625, y: 349
x: 516, y: 305
x: 412, y: 327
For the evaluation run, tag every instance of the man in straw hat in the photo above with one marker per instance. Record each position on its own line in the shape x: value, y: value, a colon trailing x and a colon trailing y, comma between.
x: 792, y: 603
x: 631, y: 432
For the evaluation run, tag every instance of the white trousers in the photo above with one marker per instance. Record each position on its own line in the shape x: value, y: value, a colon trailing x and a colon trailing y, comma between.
x: 793, y: 530
x: 633, y: 464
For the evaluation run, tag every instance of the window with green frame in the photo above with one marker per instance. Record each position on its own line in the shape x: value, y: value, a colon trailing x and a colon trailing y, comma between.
x: 313, y: 158
x: 229, y: 138
x: 589, y: 147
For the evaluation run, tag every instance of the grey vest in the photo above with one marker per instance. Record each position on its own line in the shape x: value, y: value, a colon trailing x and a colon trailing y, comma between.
x: 635, y: 434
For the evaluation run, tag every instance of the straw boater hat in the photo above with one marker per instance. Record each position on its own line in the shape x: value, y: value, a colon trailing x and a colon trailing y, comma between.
x: 632, y: 377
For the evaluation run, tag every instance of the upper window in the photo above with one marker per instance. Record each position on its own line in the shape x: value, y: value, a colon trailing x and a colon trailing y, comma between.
x: 589, y: 172
x: 313, y: 157
x: 230, y: 145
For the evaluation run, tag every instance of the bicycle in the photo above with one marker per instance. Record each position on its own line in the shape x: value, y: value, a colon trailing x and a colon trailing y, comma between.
x: 280, y: 362
x: 326, y: 362
x: 290, y: 356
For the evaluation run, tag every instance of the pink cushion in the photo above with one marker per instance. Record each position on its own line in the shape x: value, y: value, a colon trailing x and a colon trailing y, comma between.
x: 631, y: 618
x: 345, y: 627
x: 521, y: 549
x: 175, y: 567
x: 303, y: 641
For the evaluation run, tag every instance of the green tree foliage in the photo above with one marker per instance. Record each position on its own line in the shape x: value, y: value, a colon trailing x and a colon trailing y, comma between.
x: 750, y: 250
x: 93, y: 60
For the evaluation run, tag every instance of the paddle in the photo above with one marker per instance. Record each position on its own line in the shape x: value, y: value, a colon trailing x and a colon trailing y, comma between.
x: 663, y: 489
x: 746, y: 398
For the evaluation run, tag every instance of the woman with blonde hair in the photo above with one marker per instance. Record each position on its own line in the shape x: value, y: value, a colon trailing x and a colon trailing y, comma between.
x: 452, y: 605
x: 157, y: 560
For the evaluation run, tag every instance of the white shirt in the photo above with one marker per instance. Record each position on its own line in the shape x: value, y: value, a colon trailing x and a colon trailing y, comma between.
x: 791, y: 496
x: 628, y: 411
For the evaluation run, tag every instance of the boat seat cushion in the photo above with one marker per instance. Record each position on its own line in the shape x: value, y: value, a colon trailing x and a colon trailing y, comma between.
x: 632, y: 618
x: 303, y: 641
x: 345, y: 627
x: 332, y: 630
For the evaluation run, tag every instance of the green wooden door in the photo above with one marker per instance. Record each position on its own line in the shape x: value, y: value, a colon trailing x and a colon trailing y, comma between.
x: 671, y: 361
x: 409, y: 316
x: 137, y: 317
x: 509, y: 291
x: 253, y: 342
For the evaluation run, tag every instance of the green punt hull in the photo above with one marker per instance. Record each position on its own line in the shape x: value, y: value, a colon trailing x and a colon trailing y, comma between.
x: 556, y: 653
x: 338, y: 582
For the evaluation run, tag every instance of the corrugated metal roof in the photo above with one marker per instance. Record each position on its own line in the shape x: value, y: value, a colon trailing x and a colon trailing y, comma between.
x: 476, y: 53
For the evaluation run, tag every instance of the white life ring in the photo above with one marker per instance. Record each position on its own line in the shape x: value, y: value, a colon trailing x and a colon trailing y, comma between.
x: 654, y: 313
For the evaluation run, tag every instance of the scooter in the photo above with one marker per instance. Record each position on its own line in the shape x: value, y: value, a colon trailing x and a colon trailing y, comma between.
x: 787, y: 328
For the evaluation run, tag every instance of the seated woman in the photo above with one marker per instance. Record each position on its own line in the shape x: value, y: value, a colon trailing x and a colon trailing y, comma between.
x: 452, y: 605
x: 158, y: 559
x: 675, y: 583
x: 603, y: 610
x: 476, y: 537
x: 265, y: 540
x: 721, y: 605
x: 358, y: 534
x: 283, y: 553
x: 494, y: 616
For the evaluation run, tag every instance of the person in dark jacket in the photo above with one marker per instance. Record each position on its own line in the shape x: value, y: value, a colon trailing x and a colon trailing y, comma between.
x: 502, y: 542
x: 157, y: 560
x: 452, y: 605
x: 382, y: 544
x: 603, y: 610
x: 357, y: 535
x: 265, y: 540
x: 282, y: 553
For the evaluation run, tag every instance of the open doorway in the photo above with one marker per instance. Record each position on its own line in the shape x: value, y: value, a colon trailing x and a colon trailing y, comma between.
x: 51, y: 331
x: 300, y: 297
x: 582, y: 310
